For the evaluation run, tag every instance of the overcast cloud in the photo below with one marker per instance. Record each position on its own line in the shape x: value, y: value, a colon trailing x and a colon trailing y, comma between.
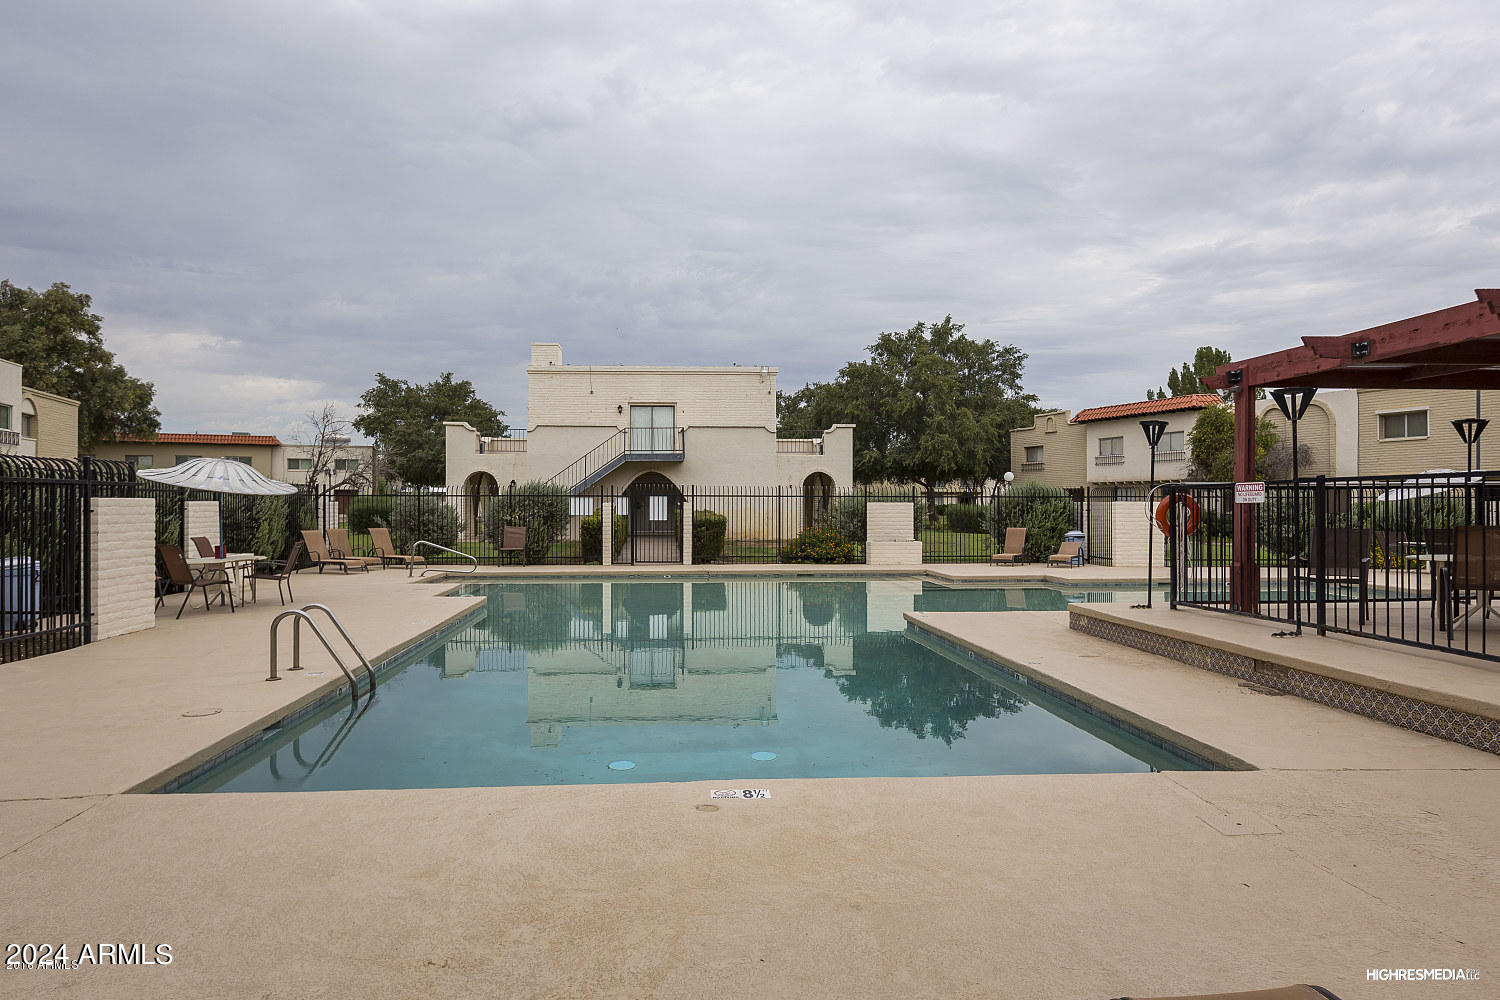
x: 271, y: 201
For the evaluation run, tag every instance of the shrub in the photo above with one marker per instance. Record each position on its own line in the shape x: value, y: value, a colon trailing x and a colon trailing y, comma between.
x: 967, y: 517
x: 591, y: 542
x: 820, y: 544
x: 254, y: 524
x: 1046, y: 513
x: 708, y: 535
x: 422, y: 518
x: 541, y: 508
x: 369, y: 512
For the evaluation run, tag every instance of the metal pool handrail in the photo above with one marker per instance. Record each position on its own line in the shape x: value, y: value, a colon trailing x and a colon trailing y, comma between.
x: 411, y: 561
x: 300, y: 614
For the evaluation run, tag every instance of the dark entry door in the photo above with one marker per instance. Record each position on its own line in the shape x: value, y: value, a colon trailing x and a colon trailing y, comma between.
x: 655, y: 520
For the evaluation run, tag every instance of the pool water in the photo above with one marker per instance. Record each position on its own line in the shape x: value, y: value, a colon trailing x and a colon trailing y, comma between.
x: 579, y: 681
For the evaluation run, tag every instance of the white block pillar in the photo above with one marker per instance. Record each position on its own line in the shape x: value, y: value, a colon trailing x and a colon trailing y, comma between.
x: 889, y: 540
x: 687, y: 528
x: 122, y: 565
x: 607, y: 535
x: 202, y: 518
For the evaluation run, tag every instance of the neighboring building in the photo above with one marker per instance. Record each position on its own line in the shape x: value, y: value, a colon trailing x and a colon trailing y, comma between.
x: 1329, y: 432
x: 603, y: 428
x: 1406, y: 431
x: 1117, y: 461
x: 263, y: 452
x: 1049, y: 451
x: 33, y: 422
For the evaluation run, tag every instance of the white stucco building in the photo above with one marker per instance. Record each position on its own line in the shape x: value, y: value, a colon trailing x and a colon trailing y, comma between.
x: 33, y: 422
x: 596, y: 429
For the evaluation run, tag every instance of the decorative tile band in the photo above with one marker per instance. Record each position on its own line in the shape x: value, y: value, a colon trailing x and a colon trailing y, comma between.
x: 1466, y: 728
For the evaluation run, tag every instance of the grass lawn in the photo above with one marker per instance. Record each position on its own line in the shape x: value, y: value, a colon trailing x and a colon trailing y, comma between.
x: 941, y: 545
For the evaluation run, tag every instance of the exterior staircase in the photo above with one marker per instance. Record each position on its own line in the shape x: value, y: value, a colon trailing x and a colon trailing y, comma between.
x: 635, y: 444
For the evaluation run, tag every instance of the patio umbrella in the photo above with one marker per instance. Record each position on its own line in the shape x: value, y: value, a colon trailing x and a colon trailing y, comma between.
x: 1413, y: 489
x: 217, y: 475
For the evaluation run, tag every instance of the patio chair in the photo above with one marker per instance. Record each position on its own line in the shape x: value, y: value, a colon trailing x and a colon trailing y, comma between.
x: 280, y: 570
x: 1346, y: 559
x: 512, y: 539
x: 380, y: 539
x: 205, y: 579
x: 1012, y: 548
x: 317, y: 551
x: 341, y: 548
x: 1065, y: 554
x: 1473, y: 569
x: 1300, y: 992
x: 204, y: 546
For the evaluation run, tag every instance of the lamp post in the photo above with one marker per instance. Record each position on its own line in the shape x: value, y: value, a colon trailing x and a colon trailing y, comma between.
x: 1469, y: 429
x: 1153, y: 429
x: 1293, y: 404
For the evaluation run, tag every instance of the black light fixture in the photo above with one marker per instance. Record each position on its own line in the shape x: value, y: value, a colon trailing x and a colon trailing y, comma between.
x: 1359, y: 350
x: 1469, y: 429
x: 1293, y: 404
x: 1153, y: 429
x: 1234, y: 377
x: 620, y: 408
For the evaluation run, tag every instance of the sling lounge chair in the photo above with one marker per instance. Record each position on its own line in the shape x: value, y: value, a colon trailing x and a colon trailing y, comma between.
x: 1012, y: 549
x: 318, y: 552
x: 281, y: 571
x: 340, y: 548
x: 1065, y: 554
x: 380, y: 539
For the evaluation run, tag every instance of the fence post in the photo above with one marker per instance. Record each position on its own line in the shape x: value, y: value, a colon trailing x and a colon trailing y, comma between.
x: 685, y: 529
x: 86, y: 594
x: 1320, y: 552
x: 780, y: 541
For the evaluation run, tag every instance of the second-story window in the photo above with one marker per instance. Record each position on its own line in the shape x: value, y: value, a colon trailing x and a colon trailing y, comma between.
x: 1034, y: 454
x: 1172, y: 441
x: 653, y: 428
x: 1112, y: 446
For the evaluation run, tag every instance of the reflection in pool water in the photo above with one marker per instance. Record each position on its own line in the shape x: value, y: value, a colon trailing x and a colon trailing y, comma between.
x: 694, y: 679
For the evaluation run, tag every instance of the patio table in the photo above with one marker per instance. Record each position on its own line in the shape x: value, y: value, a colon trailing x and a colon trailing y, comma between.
x: 239, y: 565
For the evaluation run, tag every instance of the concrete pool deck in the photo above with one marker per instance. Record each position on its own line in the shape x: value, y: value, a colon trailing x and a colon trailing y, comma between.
x: 1357, y: 846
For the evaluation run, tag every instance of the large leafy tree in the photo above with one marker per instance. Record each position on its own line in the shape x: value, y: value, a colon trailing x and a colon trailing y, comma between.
x: 1211, y: 445
x: 56, y: 340
x: 406, y: 421
x: 929, y: 406
x: 1188, y: 379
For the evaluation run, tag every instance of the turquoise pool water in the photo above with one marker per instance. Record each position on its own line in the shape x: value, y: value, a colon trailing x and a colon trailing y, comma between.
x: 730, y: 680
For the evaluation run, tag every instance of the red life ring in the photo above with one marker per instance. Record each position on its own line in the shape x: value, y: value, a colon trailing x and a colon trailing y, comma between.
x: 1163, y: 509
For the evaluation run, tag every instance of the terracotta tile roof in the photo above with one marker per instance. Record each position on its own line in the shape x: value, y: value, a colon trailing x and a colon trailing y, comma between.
x: 258, y: 440
x: 1170, y: 404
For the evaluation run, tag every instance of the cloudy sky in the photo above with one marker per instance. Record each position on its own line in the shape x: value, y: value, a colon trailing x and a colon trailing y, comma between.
x: 271, y: 201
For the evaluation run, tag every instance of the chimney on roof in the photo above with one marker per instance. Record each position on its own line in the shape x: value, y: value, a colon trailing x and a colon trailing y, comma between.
x: 239, y: 434
x: 546, y: 354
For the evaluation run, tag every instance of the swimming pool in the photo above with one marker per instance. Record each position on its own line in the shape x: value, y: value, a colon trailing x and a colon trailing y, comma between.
x: 589, y: 681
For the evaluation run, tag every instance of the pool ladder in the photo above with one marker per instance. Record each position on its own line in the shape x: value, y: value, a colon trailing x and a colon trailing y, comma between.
x: 411, y: 558
x: 299, y: 615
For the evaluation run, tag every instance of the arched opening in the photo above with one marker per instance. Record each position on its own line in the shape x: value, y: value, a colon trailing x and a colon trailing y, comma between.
x: 817, y: 495
x: 1051, y: 426
x: 478, y: 488
x: 655, y: 505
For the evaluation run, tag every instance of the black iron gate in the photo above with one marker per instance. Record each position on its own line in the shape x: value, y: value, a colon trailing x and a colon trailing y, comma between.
x: 655, y: 520
x: 45, y: 603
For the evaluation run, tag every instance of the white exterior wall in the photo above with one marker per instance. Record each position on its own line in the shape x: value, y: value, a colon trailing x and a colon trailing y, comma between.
x: 1137, y: 465
x: 888, y: 535
x: 1130, y: 527
x: 122, y: 565
x: 202, y: 518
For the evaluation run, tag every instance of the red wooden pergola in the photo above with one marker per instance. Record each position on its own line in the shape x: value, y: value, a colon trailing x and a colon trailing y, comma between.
x: 1453, y: 348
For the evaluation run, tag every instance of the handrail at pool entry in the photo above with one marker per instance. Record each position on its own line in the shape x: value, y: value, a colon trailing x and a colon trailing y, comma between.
x: 300, y: 614
x: 296, y: 638
x: 412, y: 561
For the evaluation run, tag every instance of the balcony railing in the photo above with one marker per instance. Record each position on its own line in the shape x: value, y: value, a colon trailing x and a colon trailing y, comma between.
x: 1109, y: 459
x: 9, y: 436
x: 1171, y: 456
x: 1033, y: 466
x: 501, y: 444
x: 799, y: 446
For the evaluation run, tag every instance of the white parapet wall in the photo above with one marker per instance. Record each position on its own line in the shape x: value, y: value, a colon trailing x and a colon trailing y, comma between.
x: 202, y: 518
x: 122, y: 565
x: 888, y: 535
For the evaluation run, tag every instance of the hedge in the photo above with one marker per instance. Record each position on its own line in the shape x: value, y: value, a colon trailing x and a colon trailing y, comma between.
x: 590, y: 542
x: 541, y: 508
x: 820, y: 544
x: 708, y: 535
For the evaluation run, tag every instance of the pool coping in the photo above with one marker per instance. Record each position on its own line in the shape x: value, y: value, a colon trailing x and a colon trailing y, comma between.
x: 1132, y: 722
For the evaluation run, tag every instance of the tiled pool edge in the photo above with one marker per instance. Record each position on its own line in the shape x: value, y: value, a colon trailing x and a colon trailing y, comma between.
x: 1440, y: 721
x: 1148, y: 731
x: 195, y: 769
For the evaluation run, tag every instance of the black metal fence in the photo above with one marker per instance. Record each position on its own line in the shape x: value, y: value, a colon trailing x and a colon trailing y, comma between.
x: 45, y: 517
x: 1405, y: 559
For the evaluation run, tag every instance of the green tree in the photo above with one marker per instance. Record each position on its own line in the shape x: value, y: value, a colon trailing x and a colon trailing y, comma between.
x: 406, y: 421
x: 1188, y: 380
x: 929, y: 406
x: 1211, y: 445
x: 56, y: 340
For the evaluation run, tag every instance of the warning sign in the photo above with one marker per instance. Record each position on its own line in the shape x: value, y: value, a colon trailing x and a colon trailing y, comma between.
x: 1249, y: 492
